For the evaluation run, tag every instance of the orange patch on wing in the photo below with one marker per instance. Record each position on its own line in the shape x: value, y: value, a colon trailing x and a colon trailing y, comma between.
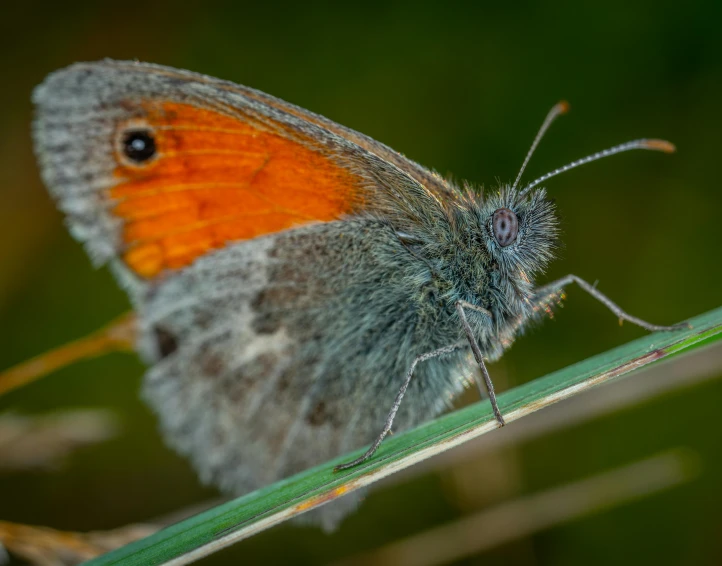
x: 218, y: 179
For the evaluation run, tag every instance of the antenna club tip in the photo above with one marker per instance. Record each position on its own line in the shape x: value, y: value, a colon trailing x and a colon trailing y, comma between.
x: 660, y: 145
x: 563, y: 107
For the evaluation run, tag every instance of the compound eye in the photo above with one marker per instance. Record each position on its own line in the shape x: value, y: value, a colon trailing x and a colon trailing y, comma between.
x: 506, y: 227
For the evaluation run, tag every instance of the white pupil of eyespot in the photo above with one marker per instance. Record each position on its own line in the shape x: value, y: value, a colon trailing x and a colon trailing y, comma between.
x: 138, y: 144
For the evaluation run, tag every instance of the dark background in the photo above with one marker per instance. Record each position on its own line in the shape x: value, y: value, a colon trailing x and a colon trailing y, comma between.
x: 458, y: 89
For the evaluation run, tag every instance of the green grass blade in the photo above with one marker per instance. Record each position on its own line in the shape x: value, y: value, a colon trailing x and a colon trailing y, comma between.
x: 223, y: 525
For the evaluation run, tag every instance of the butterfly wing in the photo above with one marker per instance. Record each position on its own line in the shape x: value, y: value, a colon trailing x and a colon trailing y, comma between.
x: 278, y: 306
x: 228, y: 163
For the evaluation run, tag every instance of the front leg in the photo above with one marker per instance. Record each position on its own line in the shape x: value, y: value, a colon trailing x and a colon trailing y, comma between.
x: 542, y: 294
x: 460, y: 306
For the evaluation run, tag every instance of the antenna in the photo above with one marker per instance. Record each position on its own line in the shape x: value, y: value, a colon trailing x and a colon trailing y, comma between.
x: 651, y: 144
x: 557, y: 110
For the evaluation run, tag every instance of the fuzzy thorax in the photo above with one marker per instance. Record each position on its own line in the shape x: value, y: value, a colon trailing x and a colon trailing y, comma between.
x: 470, y: 264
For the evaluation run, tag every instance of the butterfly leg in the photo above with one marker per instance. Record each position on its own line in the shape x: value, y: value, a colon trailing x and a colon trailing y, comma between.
x: 543, y: 294
x: 397, y: 404
x: 460, y: 306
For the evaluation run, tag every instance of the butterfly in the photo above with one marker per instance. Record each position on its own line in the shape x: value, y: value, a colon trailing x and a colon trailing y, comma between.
x: 299, y: 287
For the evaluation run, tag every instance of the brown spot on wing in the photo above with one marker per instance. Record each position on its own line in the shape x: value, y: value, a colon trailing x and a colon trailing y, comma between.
x: 165, y: 340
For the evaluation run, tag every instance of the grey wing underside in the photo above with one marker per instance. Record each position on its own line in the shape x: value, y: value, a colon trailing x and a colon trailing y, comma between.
x: 278, y: 354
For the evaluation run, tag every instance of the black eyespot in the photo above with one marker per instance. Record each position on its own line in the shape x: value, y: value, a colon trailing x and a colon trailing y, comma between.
x: 506, y: 227
x: 139, y: 145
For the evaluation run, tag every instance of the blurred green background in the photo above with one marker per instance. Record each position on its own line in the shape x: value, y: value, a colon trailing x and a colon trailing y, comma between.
x: 460, y: 89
